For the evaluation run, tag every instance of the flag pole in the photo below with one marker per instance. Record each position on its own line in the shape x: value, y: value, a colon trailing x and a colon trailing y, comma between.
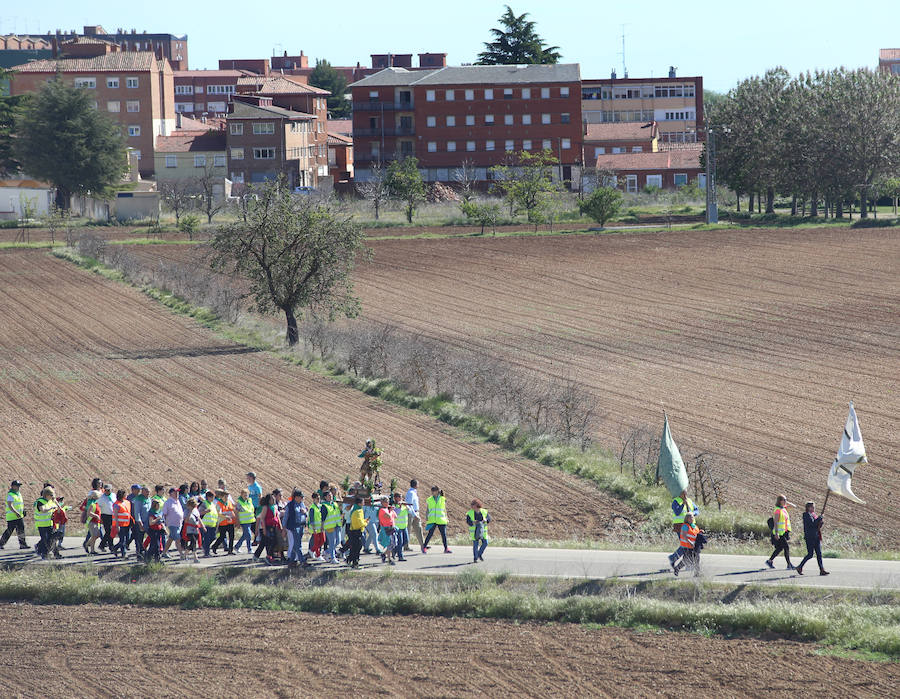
x: 825, y: 504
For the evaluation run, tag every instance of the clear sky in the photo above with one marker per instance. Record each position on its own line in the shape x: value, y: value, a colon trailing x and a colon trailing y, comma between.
x: 723, y: 41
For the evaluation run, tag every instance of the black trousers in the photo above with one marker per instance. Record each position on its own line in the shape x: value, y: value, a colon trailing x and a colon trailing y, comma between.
x: 782, y: 545
x: 106, y: 521
x: 225, y: 529
x: 137, y: 536
x: 440, y: 527
x: 356, y: 543
x: 17, y: 526
x: 813, y: 548
x: 45, y: 544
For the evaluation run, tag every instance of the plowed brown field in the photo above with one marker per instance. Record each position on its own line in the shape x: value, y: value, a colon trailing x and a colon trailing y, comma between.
x: 97, y: 379
x: 753, y: 340
x: 286, y: 655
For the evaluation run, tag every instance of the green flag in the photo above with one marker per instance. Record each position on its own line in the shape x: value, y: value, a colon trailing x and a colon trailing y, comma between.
x: 671, y: 467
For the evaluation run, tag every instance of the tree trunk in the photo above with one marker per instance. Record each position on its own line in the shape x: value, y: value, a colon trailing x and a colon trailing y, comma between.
x: 863, y: 205
x: 759, y: 202
x: 409, y: 213
x: 770, y: 200
x: 794, y: 205
x: 738, y: 197
x: 377, y: 206
x: 293, y: 334
x: 63, y: 196
x: 814, y: 205
x: 750, y: 208
x: 840, y: 209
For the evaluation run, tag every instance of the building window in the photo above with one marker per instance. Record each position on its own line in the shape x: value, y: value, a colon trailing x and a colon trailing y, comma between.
x: 470, y: 120
x: 215, y: 107
x: 564, y: 118
x: 526, y: 93
x: 489, y: 145
x: 220, y: 90
x: 184, y: 107
x: 264, y: 153
x: 184, y: 89
x: 679, y: 116
x: 373, y: 95
x: 429, y: 95
x: 131, y: 82
x: 449, y: 95
x: 508, y: 119
x: 171, y: 161
x: 618, y: 149
x: 599, y: 150
x: 470, y: 146
x: 526, y: 145
x: 87, y: 83
x: 637, y: 149
x: 470, y: 95
x: 431, y: 121
x: 526, y: 119
x: 200, y: 161
x: 263, y: 128
x: 510, y: 145
x: 654, y: 181
x: 237, y: 153
x: 489, y: 94
x: 133, y: 106
x: 545, y: 118
x: 545, y: 144
x: 237, y: 177
x: 507, y: 93
x: 563, y: 92
x: 566, y: 143
x: 136, y: 153
x: 489, y: 119
x: 545, y: 92
x: 112, y: 83
x: 451, y: 120
x: 113, y: 106
x: 219, y: 160
x: 680, y: 179
x: 631, y: 183
x: 451, y: 146
x: 432, y: 146
x: 237, y: 129
x: 134, y: 130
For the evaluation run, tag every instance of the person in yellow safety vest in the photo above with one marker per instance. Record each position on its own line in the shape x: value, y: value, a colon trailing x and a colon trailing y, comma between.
x: 681, y: 506
x: 478, y: 518
x: 43, y: 520
x: 781, y: 531
x: 209, y: 515
x: 331, y: 525
x: 121, y: 523
x: 401, y: 524
x: 437, y: 517
x: 358, y: 523
x: 246, y: 514
x: 15, y: 515
x: 317, y: 534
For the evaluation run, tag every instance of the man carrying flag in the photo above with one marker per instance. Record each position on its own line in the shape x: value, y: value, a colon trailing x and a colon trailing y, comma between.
x: 674, y: 475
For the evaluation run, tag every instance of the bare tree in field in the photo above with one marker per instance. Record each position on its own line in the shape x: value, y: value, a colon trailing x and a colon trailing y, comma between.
x: 465, y: 179
x: 294, y: 254
x: 209, y: 198
x: 179, y: 195
x: 375, y: 189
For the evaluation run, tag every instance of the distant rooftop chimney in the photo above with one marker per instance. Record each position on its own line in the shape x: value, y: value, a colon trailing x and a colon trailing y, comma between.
x: 612, y: 74
x: 671, y: 71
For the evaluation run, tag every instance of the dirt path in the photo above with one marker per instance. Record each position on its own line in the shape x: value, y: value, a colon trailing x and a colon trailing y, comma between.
x: 286, y: 655
x: 98, y: 380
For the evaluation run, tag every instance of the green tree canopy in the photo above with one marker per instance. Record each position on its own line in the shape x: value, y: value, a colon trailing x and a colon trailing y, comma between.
x: 528, y: 184
x: 63, y: 139
x: 325, y: 76
x: 602, y: 204
x: 294, y: 253
x: 404, y: 182
x: 8, y: 106
x: 516, y: 43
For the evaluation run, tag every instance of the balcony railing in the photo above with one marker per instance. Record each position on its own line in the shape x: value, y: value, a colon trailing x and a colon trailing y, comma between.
x: 376, y: 106
x: 387, y: 131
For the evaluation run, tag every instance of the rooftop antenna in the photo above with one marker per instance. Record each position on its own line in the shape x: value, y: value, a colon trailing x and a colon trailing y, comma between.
x: 624, y: 69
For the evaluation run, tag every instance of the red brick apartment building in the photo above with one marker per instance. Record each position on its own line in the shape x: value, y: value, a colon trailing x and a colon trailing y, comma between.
x: 676, y: 104
x: 480, y: 114
x: 265, y: 141
x: 205, y: 92
x: 168, y: 46
x: 134, y: 87
x: 889, y: 61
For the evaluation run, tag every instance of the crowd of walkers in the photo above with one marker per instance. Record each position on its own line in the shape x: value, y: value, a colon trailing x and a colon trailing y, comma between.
x: 195, y: 520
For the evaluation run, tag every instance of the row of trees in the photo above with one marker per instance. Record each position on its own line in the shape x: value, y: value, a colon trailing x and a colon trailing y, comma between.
x: 828, y: 136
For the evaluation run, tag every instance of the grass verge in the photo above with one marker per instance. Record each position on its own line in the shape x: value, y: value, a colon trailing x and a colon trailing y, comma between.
x: 844, y: 624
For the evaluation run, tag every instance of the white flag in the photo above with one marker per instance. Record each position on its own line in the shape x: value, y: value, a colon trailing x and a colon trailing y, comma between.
x: 851, y: 453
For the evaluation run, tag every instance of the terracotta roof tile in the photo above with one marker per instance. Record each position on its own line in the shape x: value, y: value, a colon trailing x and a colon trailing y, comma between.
x: 339, y: 139
x: 278, y: 85
x: 343, y: 127
x: 621, y: 131
x: 191, y: 141
x: 889, y: 54
x: 211, y: 73
x: 119, y: 61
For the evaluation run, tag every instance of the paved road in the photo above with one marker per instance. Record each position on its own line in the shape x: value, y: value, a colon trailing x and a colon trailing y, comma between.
x: 561, y: 563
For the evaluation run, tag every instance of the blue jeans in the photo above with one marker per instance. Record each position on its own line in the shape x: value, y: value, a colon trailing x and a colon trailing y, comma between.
x: 333, y: 539
x: 296, y: 553
x: 124, y: 540
x: 371, y: 537
x: 402, y: 541
x: 679, y: 552
x: 478, y: 548
x: 209, y: 536
x: 246, y: 535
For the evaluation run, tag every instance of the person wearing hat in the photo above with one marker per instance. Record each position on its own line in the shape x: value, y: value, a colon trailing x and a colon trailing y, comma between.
x: 43, y: 520
x: 15, y: 515
x: 295, y: 517
x: 105, y: 503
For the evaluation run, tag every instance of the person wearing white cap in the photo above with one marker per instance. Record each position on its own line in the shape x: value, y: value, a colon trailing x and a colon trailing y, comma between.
x: 15, y: 515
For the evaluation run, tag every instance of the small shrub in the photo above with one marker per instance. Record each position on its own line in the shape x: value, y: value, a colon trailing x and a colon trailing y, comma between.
x: 189, y: 224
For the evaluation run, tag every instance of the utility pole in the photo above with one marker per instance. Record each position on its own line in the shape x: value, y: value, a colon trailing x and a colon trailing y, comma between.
x: 712, y: 205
